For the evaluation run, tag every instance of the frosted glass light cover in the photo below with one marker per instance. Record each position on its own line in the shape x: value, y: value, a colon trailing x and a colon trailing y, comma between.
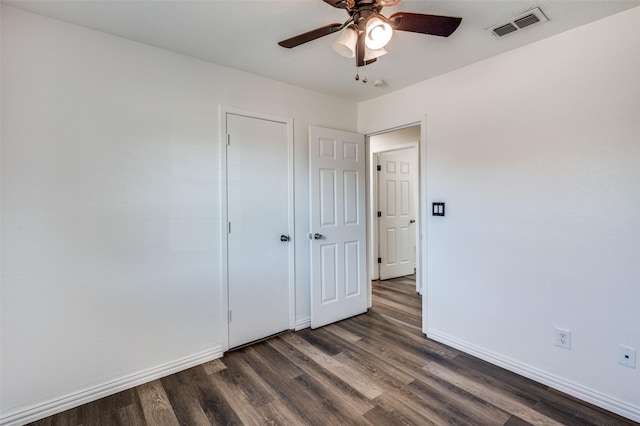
x: 379, y: 33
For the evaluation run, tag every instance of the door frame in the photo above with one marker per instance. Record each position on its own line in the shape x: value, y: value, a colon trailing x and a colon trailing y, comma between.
x: 421, y: 243
x: 224, y: 220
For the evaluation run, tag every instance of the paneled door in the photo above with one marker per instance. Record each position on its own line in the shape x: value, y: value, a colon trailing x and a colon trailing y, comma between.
x: 397, y: 230
x: 258, y: 228
x: 338, y: 229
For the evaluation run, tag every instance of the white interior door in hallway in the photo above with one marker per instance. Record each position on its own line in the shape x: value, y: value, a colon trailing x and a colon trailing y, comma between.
x: 338, y: 228
x: 259, y: 211
x: 397, y: 213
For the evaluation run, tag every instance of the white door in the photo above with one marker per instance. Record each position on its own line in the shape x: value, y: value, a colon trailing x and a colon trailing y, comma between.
x: 397, y: 228
x: 338, y: 229
x: 258, y: 215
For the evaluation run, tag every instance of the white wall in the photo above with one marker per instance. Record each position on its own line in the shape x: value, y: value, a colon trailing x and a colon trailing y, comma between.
x: 394, y: 139
x: 110, y: 205
x: 537, y: 154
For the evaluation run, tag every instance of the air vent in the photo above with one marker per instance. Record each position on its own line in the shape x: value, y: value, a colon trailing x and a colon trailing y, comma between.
x: 517, y: 23
x: 526, y: 21
x: 505, y: 29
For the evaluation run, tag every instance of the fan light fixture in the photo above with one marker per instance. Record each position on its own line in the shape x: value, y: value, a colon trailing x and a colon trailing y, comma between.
x: 345, y: 45
x: 367, y: 31
x: 370, y: 54
x: 379, y: 33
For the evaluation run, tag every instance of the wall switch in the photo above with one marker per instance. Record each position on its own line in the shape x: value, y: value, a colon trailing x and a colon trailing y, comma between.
x: 627, y: 356
x: 437, y: 209
x: 563, y: 338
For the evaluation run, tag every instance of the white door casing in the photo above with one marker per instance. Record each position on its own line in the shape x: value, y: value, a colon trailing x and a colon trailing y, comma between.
x: 397, y: 213
x: 259, y: 211
x: 337, y: 225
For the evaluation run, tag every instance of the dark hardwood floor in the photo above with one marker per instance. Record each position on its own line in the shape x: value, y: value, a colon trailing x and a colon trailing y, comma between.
x: 398, y: 300
x: 376, y: 368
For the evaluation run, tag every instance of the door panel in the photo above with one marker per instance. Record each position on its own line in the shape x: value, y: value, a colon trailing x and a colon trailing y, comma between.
x: 337, y: 197
x: 328, y: 197
x: 352, y: 272
x: 397, y: 246
x: 328, y: 271
x: 258, y: 214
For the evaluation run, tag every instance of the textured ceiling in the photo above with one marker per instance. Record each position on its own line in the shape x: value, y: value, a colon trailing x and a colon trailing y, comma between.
x: 243, y: 34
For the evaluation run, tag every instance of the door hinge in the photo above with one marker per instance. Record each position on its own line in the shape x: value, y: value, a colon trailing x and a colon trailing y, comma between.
x: 228, y: 139
x: 229, y: 315
x: 378, y: 167
x: 229, y: 230
x: 379, y: 214
x: 379, y: 260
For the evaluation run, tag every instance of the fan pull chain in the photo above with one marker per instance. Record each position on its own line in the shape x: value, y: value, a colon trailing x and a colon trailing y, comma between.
x: 364, y: 77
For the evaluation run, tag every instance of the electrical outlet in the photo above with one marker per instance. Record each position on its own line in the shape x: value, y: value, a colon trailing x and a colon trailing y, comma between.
x: 627, y: 356
x: 563, y: 338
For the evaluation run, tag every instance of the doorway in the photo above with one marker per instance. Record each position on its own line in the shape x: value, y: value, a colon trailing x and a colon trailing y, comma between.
x: 259, y: 226
x: 395, y: 216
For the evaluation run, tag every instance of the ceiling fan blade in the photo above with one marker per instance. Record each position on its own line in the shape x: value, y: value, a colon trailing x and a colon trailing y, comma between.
x: 340, y: 4
x: 442, y: 26
x: 310, y: 35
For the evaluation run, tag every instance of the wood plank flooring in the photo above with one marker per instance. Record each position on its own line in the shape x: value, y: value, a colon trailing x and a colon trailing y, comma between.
x: 398, y: 300
x: 367, y: 370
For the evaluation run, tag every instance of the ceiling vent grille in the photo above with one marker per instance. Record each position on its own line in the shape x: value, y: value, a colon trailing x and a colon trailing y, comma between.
x: 518, y: 23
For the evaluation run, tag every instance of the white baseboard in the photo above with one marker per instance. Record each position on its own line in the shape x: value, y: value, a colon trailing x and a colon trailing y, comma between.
x: 303, y: 323
x: 589, y: 395
x: 35, y: 412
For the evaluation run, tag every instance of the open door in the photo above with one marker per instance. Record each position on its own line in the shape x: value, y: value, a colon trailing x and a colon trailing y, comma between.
x: 397, y: 213
x: 338, y: 228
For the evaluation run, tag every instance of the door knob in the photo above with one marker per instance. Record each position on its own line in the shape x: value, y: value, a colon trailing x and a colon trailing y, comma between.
x: 284, y: 238
x: 412, y: 221
x: 317, y: 236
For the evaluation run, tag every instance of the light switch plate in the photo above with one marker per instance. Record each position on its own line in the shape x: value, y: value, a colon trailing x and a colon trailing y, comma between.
x: 437, y: 209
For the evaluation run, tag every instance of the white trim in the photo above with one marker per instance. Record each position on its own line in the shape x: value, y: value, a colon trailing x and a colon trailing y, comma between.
x: 57, y: 405
x: 574, y: 389
x: 292, y: 225
x: 422, y: 271
x: 224, y: 273
x: 224, y: 238
x: 303, y: 323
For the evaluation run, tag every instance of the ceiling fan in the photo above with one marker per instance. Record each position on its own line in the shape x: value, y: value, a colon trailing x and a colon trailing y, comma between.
x: 367, y: 31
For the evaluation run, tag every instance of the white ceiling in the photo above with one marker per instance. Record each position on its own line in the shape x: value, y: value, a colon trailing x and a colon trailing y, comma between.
x: 243, y: 34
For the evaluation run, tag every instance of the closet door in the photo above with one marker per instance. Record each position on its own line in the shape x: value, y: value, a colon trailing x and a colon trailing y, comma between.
x: 258, y: 228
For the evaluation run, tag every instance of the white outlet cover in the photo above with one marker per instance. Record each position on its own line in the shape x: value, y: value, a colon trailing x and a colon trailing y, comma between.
x: 627, y: 356
x: 563, y: 338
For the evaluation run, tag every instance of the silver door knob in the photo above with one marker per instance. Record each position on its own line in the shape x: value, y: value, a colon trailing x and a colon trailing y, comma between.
x: 317, y: 236
x: 284, y: 238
